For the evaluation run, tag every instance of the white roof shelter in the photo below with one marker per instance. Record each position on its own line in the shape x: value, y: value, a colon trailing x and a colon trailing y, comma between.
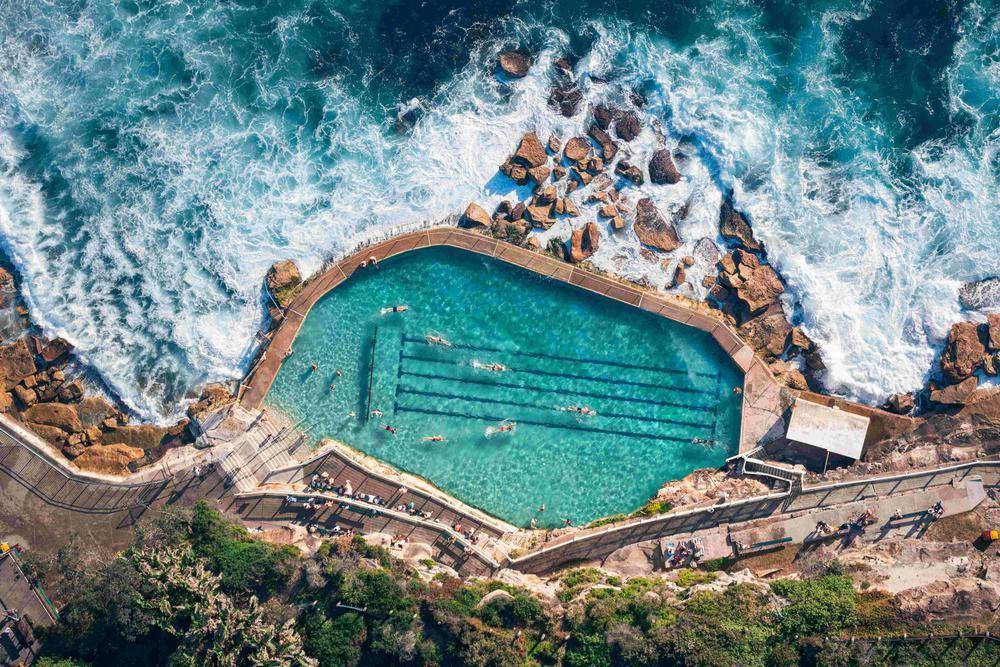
x: 830, y: 429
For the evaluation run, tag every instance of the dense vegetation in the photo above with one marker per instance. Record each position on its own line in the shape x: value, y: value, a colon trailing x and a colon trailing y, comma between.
x: 195, y: 589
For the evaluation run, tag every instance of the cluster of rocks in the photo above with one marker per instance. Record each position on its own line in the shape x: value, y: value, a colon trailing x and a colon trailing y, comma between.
x: 748, y: 289
x: 39, y: 388
x: 971, y: 347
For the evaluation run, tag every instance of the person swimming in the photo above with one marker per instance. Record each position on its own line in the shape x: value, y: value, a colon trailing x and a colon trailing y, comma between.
x: 505, y: 426
x: 495, y: 367
x: 437, y: 340
x: 395, y: 309
x: 433, y: 438
x: 390, y: 429
x: 584, y: 410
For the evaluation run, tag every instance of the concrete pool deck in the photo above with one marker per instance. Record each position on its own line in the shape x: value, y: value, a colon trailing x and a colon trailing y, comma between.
x: 766, y: 402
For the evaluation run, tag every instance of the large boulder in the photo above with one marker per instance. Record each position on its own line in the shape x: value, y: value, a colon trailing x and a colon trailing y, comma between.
x: 768, y: 332
x: 283, y: 280
x: 627, y: 126
x: 993, y: 327
x: 16, y: 362
x: 760, y: 287
x: 530, y: 152
x: 515, y: 63
x: 576, y: 149
x: 604, y: 115
x: 662, y: 169
x: 214, y: 395
x: 94, y: 411
x: 145, y: 436
x: 108, y: 459
x: 60, y: 415
x: 653, y: 229
x: 604, y: 140
x: 901, y: 404
x: 734, y: 226
x: 52, y: 434
x: 584, y: 242
x: 475, y: 217
x: 963, y: 353
x: 55, y: 349
x: 956, y: 394
x: 629, y: 171
x: 980, y: 294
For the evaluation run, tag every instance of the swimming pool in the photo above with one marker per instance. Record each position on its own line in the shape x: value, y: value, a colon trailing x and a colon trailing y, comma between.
x: 662, y: 392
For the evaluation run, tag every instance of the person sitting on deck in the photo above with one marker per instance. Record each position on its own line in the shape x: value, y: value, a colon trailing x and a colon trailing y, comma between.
x: 395, y: 309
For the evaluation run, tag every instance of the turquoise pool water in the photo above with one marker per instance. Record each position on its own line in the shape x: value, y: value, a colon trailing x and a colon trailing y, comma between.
x: 656, y: 387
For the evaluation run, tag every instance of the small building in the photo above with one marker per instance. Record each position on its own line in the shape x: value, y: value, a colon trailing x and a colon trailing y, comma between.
x: 829, y: 430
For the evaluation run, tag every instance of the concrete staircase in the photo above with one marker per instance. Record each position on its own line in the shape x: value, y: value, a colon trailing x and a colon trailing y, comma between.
x: 261, y: 450
x: 748, y: 464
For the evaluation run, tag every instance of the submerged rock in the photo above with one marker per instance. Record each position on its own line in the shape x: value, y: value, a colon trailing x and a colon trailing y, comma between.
x: 630, y: 172
x: 515, y: 63
x: 662, y: 169
x: 566, y: 100
x: 627, y: 126
x: 980, y: 294
x: 653, y: 229
x: 604, y: 115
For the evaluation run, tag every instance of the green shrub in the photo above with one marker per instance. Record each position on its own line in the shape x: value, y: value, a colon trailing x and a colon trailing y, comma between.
x: 821, y: 606
x: 336, y: 641
x: 686, y: 578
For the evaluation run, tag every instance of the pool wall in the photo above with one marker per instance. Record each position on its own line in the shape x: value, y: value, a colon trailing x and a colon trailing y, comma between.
x: 764, y: 398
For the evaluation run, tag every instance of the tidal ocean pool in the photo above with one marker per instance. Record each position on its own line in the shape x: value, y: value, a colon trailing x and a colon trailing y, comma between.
x: 662, y: 392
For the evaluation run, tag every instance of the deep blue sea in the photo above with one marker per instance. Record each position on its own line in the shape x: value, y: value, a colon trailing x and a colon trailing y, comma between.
x: 156, y: 157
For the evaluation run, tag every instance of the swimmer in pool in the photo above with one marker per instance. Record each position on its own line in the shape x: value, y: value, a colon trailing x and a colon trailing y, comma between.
x: 437, y: 340
x: 495, y: 367
x: 390, y: 429
x: 433, y: 438
x: 503, y: 427
x: 395, y: 309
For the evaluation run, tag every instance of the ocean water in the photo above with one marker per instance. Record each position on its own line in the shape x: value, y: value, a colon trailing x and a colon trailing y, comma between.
x: 156, y: 157
x: 662, y: 392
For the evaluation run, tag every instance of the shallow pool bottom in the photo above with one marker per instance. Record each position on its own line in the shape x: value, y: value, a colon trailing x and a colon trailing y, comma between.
x: 522, y: 350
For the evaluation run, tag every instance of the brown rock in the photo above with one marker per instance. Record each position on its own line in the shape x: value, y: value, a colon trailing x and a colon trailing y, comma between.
x: 213, y: 396
x: 728, y: 263
x: 566, y: 100
x: 993, y: 327
x: 595, y: 165
x: 608, y: 211
x: 572, y: 185
x: 503, y: 209
x: 604, y: 140
x: 653, y: 229
x: 963, y: 352
x: 956, y: 394
x: 530, y: 151
x: 662, y: 169
x: 617, y: 223
x: 733, y: 225
x: 708, y: 281
x: 602, y: 182
x: 108, y: 459
x: 688, y: 260
x: 59, y: 415
x: 475, y: 216
x: 582, y: 176
x: 746, y: 259
x: 604, y: 115
x: 73, y: 451
x: 539, y: 174
x: 558, y: 173
x: 533, y: 243
x: 540, y: 215
x: 576, y: 149
x: 575, y: 252
x: 563, y: 66
x: 55, y: 349
x: 760, y: 289
x: 143, y: 437
x: 584, y: 242
x: 6, y: 401
x: 680, y: 276
x: 799, y: 339
x: 70, y: 391
x: 518, y: 211
x: 52, y: 434
x: 554, y: 144
x: 591, y: 237
x: 901, y: 404
x: 29, y: 382
x: 515, y: 63
x: 630, y: 172
x: 627, y: 126
x: 16, y: 362
x: 560, y: 205
x: 767, y: 333
x: 93, y: 411
x: 25, y: 395
x: 281, y: 276
x: 546, y: 195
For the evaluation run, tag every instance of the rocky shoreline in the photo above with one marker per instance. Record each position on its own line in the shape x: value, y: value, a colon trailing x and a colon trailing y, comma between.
x: 588, y: 179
